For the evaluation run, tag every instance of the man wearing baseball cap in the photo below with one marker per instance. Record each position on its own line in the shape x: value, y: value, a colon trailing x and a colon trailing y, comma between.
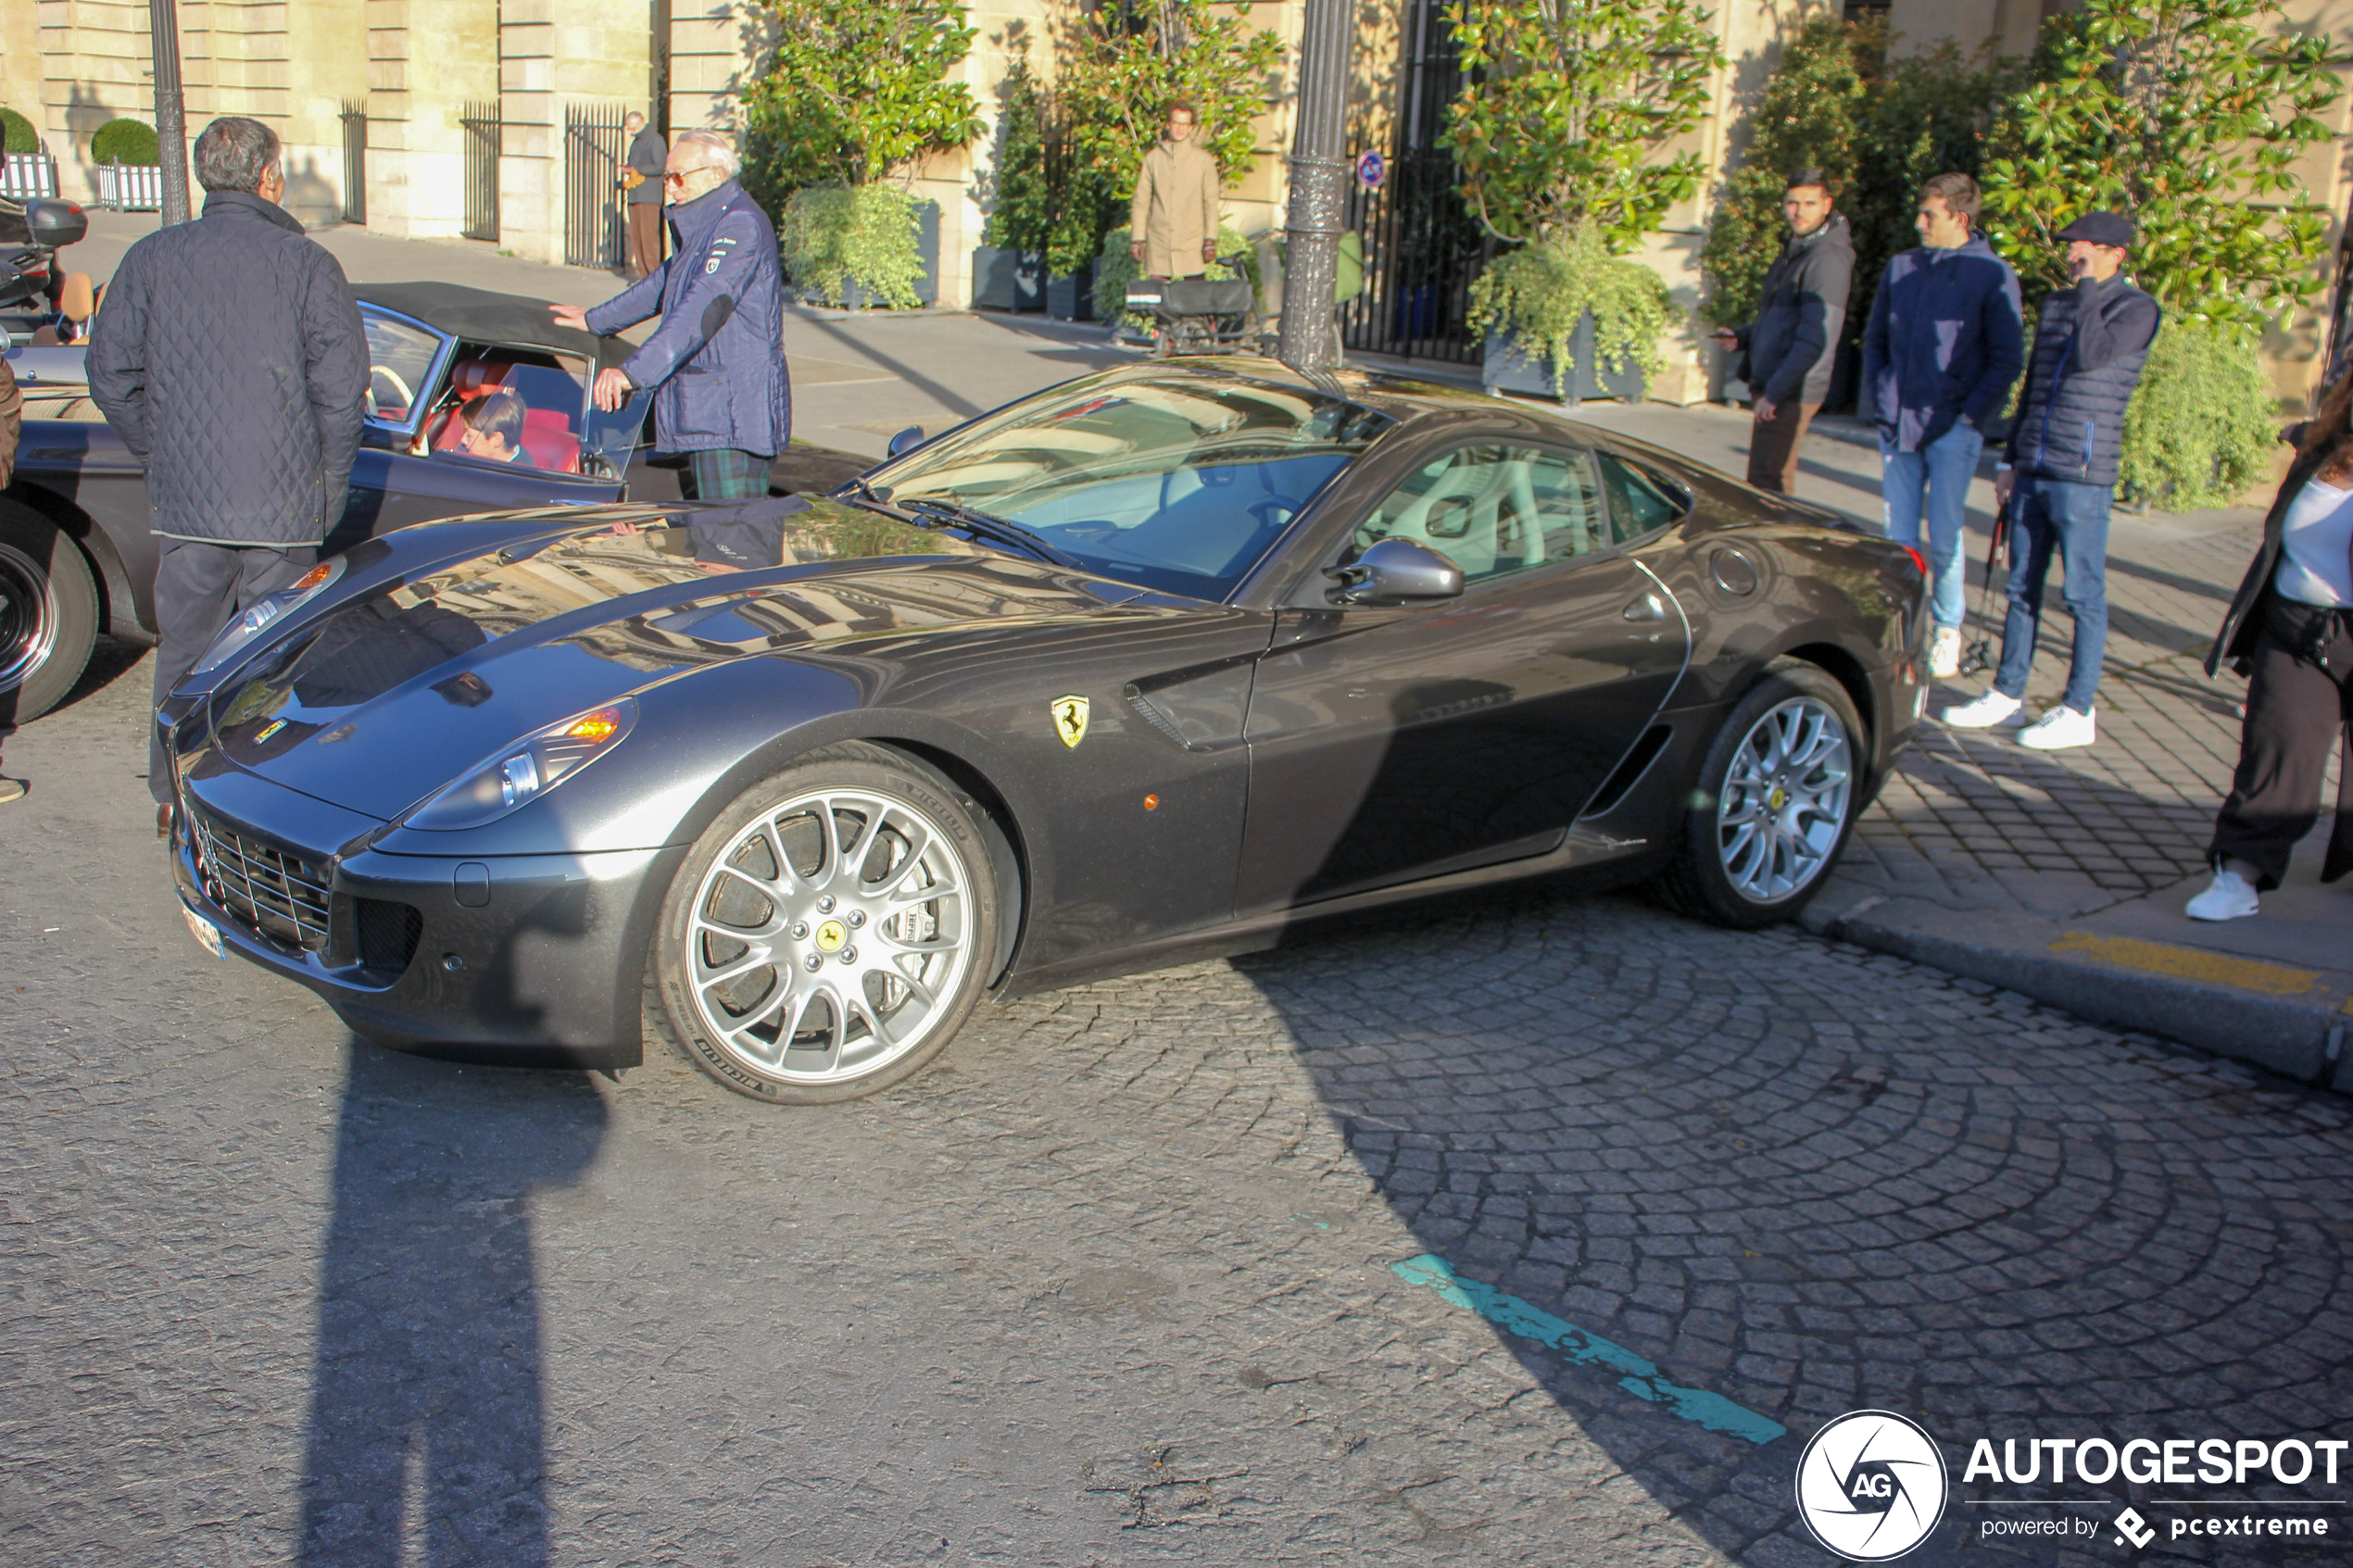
x: 2059, y: 476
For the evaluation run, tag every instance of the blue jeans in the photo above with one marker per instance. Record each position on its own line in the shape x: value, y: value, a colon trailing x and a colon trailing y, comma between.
x: 2048, y: 514
x: 1933, y: 481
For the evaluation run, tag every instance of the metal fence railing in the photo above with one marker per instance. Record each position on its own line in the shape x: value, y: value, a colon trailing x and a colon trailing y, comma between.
x: 131, y: 187
x: 483, y: 133
x: 355, y: 163
x: 28, y: 175
x: 596, y: 220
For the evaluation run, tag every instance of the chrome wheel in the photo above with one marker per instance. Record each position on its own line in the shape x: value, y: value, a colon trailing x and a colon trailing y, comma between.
x: 1784, y: 800
x: 29, y: 617
x: 831, y: 936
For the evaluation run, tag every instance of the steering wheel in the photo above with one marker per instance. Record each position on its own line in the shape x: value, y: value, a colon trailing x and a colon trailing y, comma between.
x: 407, y: 396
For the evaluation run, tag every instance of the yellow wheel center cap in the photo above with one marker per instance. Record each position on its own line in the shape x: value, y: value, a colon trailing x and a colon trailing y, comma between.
x: 1779, y: 799
x: 831, y: 935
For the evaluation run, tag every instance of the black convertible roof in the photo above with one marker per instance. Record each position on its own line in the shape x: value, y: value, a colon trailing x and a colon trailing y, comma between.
x: 480, y: 316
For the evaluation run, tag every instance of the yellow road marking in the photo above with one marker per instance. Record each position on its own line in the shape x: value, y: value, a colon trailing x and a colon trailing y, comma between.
x: 2188, y: 963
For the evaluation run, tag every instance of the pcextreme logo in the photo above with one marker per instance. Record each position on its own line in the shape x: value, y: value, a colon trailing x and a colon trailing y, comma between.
x: 1871, y: 1486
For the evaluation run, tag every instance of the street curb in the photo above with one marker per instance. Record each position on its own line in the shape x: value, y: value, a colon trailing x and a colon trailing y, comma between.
x: 2298, y: 1037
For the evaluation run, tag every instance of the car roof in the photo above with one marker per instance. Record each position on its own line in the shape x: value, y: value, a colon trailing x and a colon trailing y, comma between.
x: 479, y: 316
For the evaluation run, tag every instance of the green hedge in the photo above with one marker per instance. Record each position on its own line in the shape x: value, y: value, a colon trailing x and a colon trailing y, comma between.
x: 127, y: 142
x: 2202, y: 424
x: 18, y: 133
x: 835, y: 235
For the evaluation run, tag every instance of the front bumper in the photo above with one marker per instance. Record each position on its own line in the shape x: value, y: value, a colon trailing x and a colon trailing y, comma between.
x: 525, y: 959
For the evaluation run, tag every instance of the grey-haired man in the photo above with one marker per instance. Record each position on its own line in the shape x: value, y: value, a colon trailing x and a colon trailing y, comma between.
x: 231, y: 358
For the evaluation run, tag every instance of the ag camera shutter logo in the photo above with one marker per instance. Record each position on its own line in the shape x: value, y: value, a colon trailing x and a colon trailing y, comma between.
x: 1871, y: 1486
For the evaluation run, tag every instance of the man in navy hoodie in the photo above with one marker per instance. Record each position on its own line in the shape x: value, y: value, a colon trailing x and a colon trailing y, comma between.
x: 1946, y: 340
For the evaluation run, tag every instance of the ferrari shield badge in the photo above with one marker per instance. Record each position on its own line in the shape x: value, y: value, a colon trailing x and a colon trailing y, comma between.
x: 1070, y: 719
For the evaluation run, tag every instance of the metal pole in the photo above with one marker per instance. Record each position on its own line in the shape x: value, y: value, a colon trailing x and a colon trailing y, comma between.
x: 1318, y: 189
x: 172, y: 125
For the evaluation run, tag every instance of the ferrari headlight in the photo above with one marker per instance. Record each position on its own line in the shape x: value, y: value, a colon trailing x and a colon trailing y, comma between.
x: 520, y: 773
x: 266, y: 613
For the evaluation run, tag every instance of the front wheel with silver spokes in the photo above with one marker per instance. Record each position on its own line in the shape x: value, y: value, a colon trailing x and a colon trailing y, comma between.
x: 1775, y: 799
x: 829, y: 931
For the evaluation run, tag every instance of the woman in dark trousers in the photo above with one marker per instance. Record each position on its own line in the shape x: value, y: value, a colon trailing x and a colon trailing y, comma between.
x: 2290, y: 628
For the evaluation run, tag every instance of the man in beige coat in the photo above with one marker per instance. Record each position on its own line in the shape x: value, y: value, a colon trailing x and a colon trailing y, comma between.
x: 1172, y: 224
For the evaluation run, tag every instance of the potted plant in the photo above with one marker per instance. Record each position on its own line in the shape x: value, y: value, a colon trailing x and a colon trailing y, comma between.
x: 1009, y: 265
x: 854, y: 97
x: 1566, y: 109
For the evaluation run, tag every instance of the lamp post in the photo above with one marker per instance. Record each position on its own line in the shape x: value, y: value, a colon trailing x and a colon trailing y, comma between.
x: 172, y: 125
x: 1319, y: 191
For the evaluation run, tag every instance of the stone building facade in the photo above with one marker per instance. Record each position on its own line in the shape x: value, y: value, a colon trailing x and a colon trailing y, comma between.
x: 416, y: 71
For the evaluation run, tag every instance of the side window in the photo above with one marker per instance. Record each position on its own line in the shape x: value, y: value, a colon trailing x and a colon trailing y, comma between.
x: 1640, y: 499
x: 1496, y: 508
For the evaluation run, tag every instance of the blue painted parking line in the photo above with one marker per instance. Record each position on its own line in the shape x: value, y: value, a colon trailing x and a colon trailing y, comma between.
x: 1642, y: 1379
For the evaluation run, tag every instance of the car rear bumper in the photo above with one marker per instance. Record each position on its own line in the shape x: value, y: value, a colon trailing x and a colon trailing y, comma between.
x: 526, y: 960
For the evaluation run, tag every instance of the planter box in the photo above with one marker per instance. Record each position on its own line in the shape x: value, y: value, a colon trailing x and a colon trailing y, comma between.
x: 1008, y: 280
x: 855, y: 296
x: 131, y: 187
x: 1071, y: 298
x: 1510, y: 369
x: 993, y: 269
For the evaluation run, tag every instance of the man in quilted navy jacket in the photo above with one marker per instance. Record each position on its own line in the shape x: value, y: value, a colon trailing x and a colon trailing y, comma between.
x: 2059, y: 476
x: 718, y: 359
x: 229, y: 358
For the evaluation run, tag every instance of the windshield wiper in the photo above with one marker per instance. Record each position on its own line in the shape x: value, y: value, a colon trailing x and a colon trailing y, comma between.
x: 985, y: 525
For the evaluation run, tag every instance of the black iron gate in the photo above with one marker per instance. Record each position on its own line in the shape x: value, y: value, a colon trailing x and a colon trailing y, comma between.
x: 355, y: 163
x: 483, y: 133
x: 1422, y: 247
x: 596, y: 225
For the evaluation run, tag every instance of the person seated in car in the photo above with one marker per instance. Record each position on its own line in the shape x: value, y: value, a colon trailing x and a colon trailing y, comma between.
x: 494, y: 429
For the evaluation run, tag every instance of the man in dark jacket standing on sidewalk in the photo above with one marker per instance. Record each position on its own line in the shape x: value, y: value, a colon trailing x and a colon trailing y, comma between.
x: 1794, y: 342
x: 1944, y: 342
x: 2059, y: 476
x: 229, y: 358
x: 718, y: 358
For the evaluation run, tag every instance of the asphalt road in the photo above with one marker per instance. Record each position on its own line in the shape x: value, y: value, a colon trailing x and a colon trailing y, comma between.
x: 1120, y: 1282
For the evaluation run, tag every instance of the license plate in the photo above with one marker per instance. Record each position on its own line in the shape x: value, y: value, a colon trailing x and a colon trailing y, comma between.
x: 204, y: 931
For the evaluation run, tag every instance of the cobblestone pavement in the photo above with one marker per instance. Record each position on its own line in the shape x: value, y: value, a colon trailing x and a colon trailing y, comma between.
x: 1117, y: 1285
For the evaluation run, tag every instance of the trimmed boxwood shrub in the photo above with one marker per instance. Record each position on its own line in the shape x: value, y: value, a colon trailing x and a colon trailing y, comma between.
x: 2200, y: 430
x: 19, y: 133
x: 129, y: 142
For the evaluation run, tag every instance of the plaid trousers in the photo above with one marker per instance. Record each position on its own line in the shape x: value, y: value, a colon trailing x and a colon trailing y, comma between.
x: 725, y: 474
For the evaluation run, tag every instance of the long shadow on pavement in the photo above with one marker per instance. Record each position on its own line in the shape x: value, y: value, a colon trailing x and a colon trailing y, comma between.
x: 1808, y: 1181
x: 427, y: 1431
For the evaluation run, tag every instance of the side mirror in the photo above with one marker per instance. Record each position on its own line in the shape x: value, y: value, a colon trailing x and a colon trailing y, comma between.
x: 1395, y: 570
x: 906, y: 441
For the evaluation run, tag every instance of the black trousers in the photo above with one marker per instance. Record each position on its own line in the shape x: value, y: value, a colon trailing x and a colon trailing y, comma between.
x: 2298, y: 705
x: 199, y: 589
x: 1772, y: 447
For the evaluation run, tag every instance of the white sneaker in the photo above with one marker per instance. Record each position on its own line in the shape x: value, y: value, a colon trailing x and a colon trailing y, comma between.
x: 1985, y: 712
x: 2231, y: 896
x: 1944, y: 653
x: 2059, y: 729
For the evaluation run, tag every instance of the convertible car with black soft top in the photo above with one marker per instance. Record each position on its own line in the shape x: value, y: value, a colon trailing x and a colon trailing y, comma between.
x: 1156, y: 663
x: 76, y: 558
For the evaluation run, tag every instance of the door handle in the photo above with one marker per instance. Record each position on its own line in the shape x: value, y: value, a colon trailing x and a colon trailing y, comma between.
x: 1648, y: 607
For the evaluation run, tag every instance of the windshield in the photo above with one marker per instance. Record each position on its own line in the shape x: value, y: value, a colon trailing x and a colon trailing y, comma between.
x: 399, y: 368
x: 1177, y: 481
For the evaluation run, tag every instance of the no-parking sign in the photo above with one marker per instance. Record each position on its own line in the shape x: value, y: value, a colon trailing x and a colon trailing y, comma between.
x: 1371, y: 169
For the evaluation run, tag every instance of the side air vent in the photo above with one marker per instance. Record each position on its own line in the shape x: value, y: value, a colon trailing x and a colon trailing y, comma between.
x: 1645, y: 752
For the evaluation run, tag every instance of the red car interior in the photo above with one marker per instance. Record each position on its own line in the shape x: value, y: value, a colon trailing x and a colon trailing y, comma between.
x: 548, y: 435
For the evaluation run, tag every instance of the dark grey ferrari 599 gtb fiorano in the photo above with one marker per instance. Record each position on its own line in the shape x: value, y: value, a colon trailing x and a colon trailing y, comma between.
x: 1153, y: 664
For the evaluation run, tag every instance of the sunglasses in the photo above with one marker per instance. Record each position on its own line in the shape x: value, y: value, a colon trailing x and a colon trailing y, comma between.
x: 670, y: 179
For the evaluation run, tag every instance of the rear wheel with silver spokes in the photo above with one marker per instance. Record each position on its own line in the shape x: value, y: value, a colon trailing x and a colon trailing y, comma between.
x: 1775, y: 799
x: 829, y: 931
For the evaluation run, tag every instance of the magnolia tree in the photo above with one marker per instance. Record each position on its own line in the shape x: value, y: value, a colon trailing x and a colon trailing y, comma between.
x: 1563, y: 136
x: 2192, y: 116
x: 856, y: 91
x: 1120, y: 67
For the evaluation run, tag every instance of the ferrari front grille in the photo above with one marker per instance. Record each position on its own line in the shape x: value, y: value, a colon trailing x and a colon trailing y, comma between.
x: 277, y: 894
